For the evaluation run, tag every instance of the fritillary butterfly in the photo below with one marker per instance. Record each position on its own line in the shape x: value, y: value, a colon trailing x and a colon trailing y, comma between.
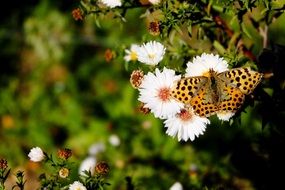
x: 223, y: 91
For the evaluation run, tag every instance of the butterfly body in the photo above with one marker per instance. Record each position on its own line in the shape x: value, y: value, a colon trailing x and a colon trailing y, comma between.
x: 215, y: 92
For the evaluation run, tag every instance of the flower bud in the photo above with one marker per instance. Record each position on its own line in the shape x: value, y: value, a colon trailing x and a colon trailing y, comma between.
x: 63, y: 173
x: 77, y: 14
x: 102, y: 168
x: 64, y: 153
x: 136, y: 78
x: 3, y: 164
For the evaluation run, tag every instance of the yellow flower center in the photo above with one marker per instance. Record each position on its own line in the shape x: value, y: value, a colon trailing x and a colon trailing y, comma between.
x: 133, y: 56
x: 151, y: 56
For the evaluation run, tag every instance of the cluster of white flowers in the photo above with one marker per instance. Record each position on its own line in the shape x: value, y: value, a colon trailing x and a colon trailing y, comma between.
x: 36, y: 154
x: 155, y: 90
x: 150, y: 53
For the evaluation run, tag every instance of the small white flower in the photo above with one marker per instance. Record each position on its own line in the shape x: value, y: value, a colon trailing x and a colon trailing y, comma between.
x: 88, y: 164
x: 202, y: 64
x: 176, y: 186
x: 114, y: 140
x: 36, y: 154
x: 154, y: 2
x: 186, y: 125
x: 155, y: 91
x: 77, y: 186
x: 96, y: 148
x: 225, y: 115
x: 132, y: 53
x: 112, y: 3
x: 151, y: 53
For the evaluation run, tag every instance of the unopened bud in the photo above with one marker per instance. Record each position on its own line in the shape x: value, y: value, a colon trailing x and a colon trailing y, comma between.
x: 102, y: 168
x: 3, y: 164
x: 64, y: 153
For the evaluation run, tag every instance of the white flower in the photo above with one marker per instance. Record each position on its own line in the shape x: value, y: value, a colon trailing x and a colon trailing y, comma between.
x: 186, y: 125
x: 88, y: 164
x: 96, y: 148
x: 176, y: 186
x: 112, y: 3
x: 225, y: 115
x: 77, y: 186
x: 114, y: 140
x: 155, y: 91
x: 154, y: 2
x: 151, y: 53
x: 202, y: 64
x: 36, y: 154
x: 132, y: 53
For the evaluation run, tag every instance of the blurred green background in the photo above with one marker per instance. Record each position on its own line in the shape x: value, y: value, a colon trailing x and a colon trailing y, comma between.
x: 57, y: 90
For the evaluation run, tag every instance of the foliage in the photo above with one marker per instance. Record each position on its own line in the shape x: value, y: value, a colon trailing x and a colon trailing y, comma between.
x: 65, y: 83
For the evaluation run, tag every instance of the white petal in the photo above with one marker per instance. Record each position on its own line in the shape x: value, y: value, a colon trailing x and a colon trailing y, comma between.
x: 205, y: 62
x: 112, y: 3
x: 185, y: 130
x: 149, y: 89
x: 151, y: 53
x: 88, y: 164
x: 225, y: 115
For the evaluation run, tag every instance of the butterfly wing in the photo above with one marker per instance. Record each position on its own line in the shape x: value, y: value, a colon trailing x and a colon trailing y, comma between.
x: 231, y: 98
x: 243, y: 78
x: 202, y: 105
x: 186, y: 88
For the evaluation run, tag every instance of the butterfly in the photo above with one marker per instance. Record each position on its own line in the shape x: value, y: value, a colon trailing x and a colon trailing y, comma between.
x: 216, y: 92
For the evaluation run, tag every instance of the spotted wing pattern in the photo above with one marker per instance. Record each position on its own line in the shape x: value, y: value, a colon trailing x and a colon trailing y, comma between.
x: 243, y: 78
x: 220, y: 92
x: 231, y: 100
x: 185, y: 89
x: 201, y: 105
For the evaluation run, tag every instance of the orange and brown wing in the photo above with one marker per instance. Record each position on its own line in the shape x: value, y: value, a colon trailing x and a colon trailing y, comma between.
x: 232, y: 99
x: 186, y: 88
x: 201, y: 105
x: 243, y: 78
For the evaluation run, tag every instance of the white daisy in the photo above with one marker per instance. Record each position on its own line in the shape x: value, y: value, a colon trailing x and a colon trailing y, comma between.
x: 202, y: 64
x: 151, y: 53
x: 154, y: 2
x: 88, y: 164
x: 36, y: 154
x: 176, y: 186
x: 77, y: 186
x: 225, y: 115
x: 112, y: 3
x: 186, y: 125
x: 132, y: 53
x: 155, y: 90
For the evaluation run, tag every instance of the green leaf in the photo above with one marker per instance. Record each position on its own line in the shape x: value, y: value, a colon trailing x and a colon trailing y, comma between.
x: 245, y: 30
x: 219, y: 47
